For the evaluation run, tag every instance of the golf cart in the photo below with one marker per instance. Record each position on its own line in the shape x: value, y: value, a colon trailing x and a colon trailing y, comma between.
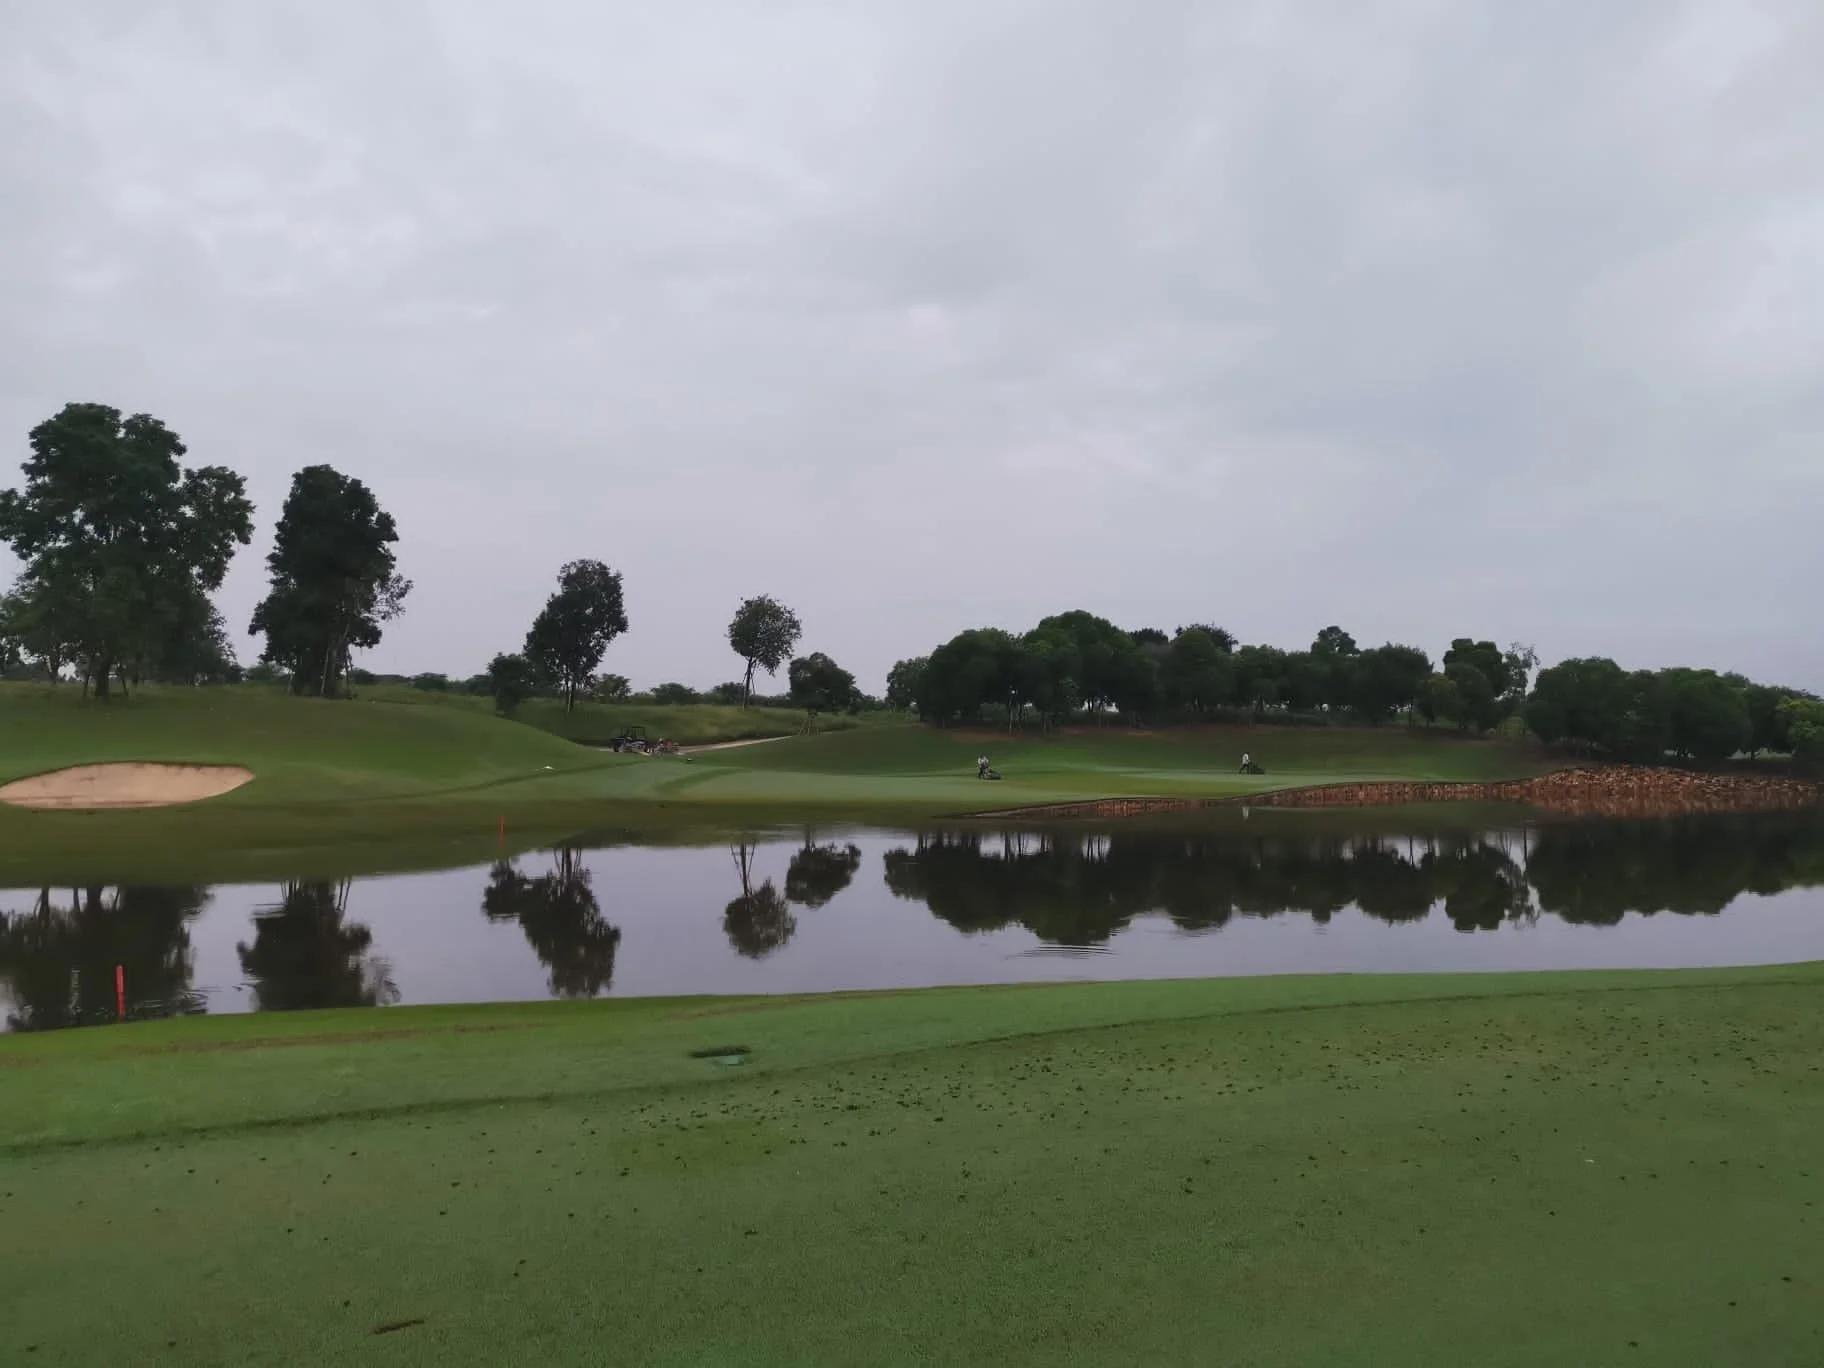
x: 630, y: 739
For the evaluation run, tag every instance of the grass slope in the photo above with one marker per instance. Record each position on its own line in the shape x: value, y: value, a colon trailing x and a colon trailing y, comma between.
x: 352, y: 787
x: 1600, y: 1168
x: 596, y: 724
x: 300, y: 749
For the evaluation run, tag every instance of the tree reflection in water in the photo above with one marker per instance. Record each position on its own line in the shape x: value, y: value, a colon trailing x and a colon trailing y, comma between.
x: 818, y: 873
x: 562, y: 921
x: 58, y: 956
x: 760, y: 921
x: 306, y: 953
x: 1073, y: 888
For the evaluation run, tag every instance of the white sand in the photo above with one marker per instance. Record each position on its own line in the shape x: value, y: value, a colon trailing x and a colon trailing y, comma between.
x: 124, y: 786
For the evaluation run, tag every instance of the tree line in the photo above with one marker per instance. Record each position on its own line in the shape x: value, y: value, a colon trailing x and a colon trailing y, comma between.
x: 122, y: 546
x: 1076, y: 663
x: 1077, y: 666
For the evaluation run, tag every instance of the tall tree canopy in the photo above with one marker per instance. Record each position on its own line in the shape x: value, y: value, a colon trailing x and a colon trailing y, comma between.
x: 1199, y: 671
x: 334, y: 580
x: 903, y: 682
x: 763, y: 633
x: 510, y: 681
x: 572, y: 631
x: 820, y: 685
x: 119, y: 541
x: 1386, y: 679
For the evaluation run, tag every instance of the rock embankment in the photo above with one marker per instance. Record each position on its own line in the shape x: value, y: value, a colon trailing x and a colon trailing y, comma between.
x: 1601, y: 791
x: 1606, y: 791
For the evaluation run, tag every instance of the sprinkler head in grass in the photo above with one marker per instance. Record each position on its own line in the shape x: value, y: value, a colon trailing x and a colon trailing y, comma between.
x: 729, y: 1056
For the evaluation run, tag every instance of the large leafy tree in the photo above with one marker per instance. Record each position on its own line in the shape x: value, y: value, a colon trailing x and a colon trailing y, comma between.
x: 1483, y: 656
x: 1199, y: 675
x: 763, y: 633
x: 968, y: 672
x: 1803, y: 719
x: 1260, y: 676
x: 820, y: 685
x: 192, y: 646
x: 1387, y: 679
x: 1044, y: 668
x: 334, y: 580
x: 572, y: 631
x: 115, y: 533
x: 1113, y: 668
x: 903, y: 682
x: 1335, y: 661
x: 1222, y: 636
x: 1440, y: 700
x: 12, y: 643
x: 1480, y: 705
x: 1767, y: 717
x: 1707, y: 718
x: 1581, y: 703
x: 509, y: 679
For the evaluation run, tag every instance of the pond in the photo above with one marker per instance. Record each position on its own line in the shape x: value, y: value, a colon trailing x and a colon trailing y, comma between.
x: 831, y: 909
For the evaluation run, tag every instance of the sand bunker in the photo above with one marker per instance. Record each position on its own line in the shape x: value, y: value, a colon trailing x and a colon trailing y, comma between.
x: 124, y: 786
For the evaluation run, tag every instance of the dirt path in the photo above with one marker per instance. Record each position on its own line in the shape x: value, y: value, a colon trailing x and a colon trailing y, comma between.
x: 731, y: 745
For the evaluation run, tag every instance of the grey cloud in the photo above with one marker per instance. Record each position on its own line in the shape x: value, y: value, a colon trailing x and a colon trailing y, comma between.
x: 1420, y: 317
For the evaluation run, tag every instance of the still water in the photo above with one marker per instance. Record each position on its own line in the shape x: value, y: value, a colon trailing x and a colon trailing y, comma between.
x: 823, y: 910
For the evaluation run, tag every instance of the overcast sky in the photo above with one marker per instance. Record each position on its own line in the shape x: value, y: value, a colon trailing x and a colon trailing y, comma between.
x: 1421, y: 318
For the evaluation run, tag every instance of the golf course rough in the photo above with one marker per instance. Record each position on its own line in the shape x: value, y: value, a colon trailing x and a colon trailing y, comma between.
x: 1490, y: 1169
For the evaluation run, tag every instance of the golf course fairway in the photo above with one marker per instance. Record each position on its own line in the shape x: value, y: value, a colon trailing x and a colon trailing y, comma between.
x: 1503, y: 1169
x: 362, y: 786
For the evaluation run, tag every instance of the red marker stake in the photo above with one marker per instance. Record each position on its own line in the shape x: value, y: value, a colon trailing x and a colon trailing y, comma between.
x: 120, y: 991
x: 503, y: 831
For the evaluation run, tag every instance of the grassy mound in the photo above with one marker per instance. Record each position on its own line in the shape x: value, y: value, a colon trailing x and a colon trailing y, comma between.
x: 596, y: 724
x: 1490, y: 1169
x: 300, y: 749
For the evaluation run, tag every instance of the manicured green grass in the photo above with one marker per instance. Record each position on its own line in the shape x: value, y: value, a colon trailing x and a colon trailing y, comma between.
x: 300, y: 749
x: 373, y: 784
x: 1596, y: 1168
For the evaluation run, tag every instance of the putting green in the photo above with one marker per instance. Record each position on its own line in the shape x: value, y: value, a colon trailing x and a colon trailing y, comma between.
x: 1601, y: 1168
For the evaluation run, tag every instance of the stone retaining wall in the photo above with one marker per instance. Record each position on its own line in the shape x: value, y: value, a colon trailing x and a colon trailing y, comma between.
x: 1607, y: 791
